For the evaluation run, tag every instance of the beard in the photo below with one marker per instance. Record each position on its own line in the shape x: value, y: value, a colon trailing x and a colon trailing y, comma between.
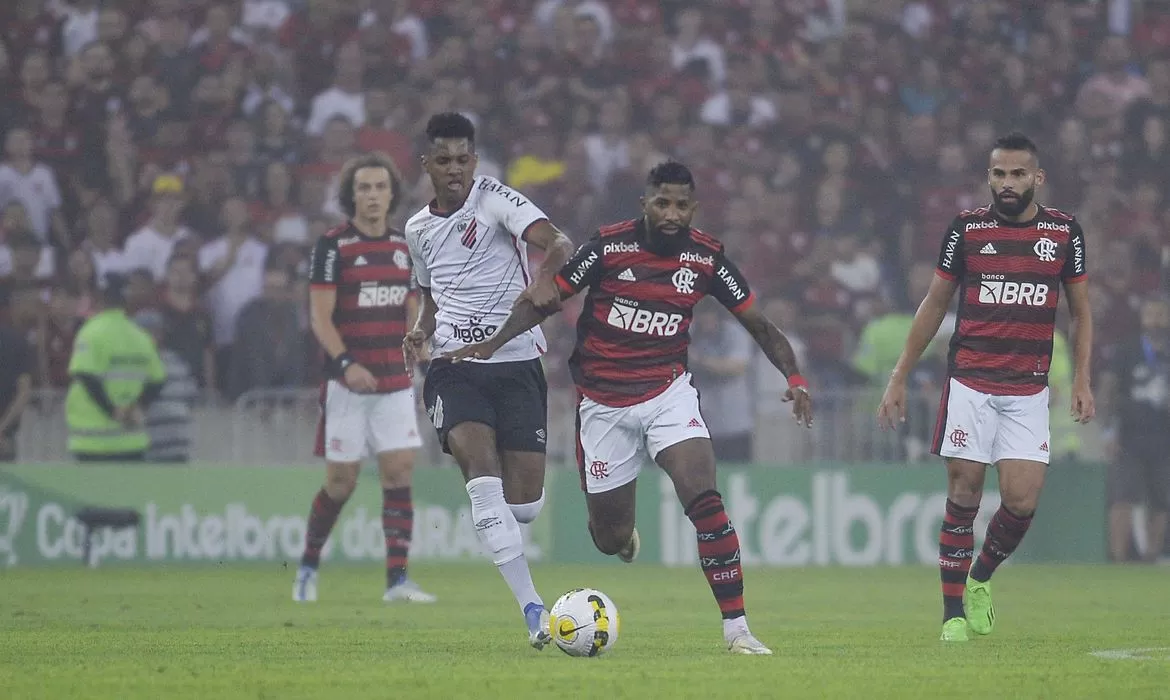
x: 1016, y: 206
x: 668, y: 243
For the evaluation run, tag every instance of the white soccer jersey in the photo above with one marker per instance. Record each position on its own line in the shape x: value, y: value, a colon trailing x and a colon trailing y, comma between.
x: 475, y: 262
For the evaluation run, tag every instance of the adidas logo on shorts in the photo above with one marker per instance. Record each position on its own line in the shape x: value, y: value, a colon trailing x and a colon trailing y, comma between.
x: 694, y: 423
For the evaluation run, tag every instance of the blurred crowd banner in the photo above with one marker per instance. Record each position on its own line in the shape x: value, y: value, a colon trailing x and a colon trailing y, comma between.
x: 811, y: 515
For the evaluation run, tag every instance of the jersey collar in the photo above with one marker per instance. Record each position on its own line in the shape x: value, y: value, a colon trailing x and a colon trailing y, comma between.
x: 1018, y: 224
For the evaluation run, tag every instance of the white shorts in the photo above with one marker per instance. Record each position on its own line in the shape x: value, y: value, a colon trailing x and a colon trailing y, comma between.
x: 986, y: 428
x: 354, y: 426
x: 614, y: 443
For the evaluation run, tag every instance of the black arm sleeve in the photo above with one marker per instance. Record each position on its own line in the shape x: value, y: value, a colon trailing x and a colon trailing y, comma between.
x: 97, y: 392
x: 150, y: 393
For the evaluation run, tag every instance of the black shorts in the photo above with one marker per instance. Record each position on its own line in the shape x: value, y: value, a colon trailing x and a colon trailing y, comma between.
x: 1142, y: 474
x: 510, y: 397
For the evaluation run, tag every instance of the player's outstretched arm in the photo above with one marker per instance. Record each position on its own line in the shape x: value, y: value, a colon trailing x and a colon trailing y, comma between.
x: 525, y: 316
x: 1083, y: 406
x: 780, y: 353
x: 927, y: 320
x: 557, y: 250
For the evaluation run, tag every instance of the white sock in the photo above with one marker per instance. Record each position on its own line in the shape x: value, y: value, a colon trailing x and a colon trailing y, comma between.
x: 735, y: 627
x: 497, y: 529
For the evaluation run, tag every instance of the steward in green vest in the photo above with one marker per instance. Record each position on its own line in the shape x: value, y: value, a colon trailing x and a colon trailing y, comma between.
x: 115, y: 373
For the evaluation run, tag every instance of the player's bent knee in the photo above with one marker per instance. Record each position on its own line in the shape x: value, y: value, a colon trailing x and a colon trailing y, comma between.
x: 1023, y: 506
x: 527, y: 512
x: 341, y: 480
x: 609, y: 539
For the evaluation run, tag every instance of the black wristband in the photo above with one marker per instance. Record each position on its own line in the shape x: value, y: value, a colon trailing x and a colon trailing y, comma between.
x: 342, y: 362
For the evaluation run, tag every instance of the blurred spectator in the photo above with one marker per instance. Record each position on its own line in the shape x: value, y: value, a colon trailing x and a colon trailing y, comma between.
x: 54, y: 338
x: 694, y: 50
x: 151, y: 246
x: 187, y: 327
x: 100, y: 240
x: 34, y: 185
x: 169, y: 417
x: 1138, y: 390
x: 270, y: 347
x: 16, y: 382
x: 345, y: 97
x: 278, y: 210
x: 233, y: 266
x: 1112, y: 88
x: 720, y: 357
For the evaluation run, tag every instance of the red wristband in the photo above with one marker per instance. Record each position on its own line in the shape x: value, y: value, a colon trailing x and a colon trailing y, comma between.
x: 795, y: 381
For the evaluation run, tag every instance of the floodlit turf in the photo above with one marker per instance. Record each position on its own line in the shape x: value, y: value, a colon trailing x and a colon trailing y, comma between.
x: 215, y: 633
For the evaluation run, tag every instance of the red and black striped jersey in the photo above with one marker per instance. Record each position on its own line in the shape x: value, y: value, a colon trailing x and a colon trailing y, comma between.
x: 1009, y: 277
x: 634, y: 329
x: 372, y: 279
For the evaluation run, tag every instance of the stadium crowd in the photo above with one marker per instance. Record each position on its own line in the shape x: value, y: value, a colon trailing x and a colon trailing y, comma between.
x: 193, y: 145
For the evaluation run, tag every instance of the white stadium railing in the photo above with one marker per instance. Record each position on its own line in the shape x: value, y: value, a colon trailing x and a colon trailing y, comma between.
x: 279, y: 427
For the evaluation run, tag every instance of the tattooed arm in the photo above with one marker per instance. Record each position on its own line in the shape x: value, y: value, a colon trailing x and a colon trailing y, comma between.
x: 779, y: 352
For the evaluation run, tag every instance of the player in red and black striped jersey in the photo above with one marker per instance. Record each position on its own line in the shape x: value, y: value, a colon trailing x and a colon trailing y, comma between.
x: 360, y: 306
x: 637, y: 406
x: 1008, y: 262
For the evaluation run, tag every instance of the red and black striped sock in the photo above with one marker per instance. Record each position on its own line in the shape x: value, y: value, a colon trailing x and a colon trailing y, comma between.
x: 322, y: 515
x: 956, y: 547
x: 718, y: 552
x: 397, y: 525
x: 1004, y: 533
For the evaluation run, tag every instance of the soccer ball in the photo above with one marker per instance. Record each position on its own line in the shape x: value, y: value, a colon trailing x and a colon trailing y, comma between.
x: 584, y: 622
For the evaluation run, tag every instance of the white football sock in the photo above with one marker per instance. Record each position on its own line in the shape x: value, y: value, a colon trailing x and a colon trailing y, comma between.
x: 735, y: 627
x: 497, y: 529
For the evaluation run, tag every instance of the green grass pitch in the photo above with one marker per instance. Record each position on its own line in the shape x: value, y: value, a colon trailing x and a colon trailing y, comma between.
x: 233, y: 632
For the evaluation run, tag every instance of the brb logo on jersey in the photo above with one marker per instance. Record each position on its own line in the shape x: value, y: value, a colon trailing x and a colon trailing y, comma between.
x: 995, y: 291
x: 373, y: 294
x: 626, y: 315
x: 1045, y: 248
x: 684, y: 280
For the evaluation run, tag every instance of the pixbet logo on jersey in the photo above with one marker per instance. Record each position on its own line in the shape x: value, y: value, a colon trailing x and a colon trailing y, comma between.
x: 689, y: 257
x: 1013, y: 293
x: 373, y: 294
x: 627, y: 316
x: 612, y: 248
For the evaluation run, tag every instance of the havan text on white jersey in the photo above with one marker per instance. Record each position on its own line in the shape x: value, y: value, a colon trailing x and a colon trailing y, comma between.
x: 475, y: 262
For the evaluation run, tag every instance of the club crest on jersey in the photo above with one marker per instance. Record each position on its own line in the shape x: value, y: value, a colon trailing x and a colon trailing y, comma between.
x: 684, y: 280
x: 401, y: 259
x: 469, y: 231
x: 1045, y: 249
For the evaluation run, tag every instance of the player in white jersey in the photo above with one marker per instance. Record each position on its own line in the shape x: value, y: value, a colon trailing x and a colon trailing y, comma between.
x: 470, y: 253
